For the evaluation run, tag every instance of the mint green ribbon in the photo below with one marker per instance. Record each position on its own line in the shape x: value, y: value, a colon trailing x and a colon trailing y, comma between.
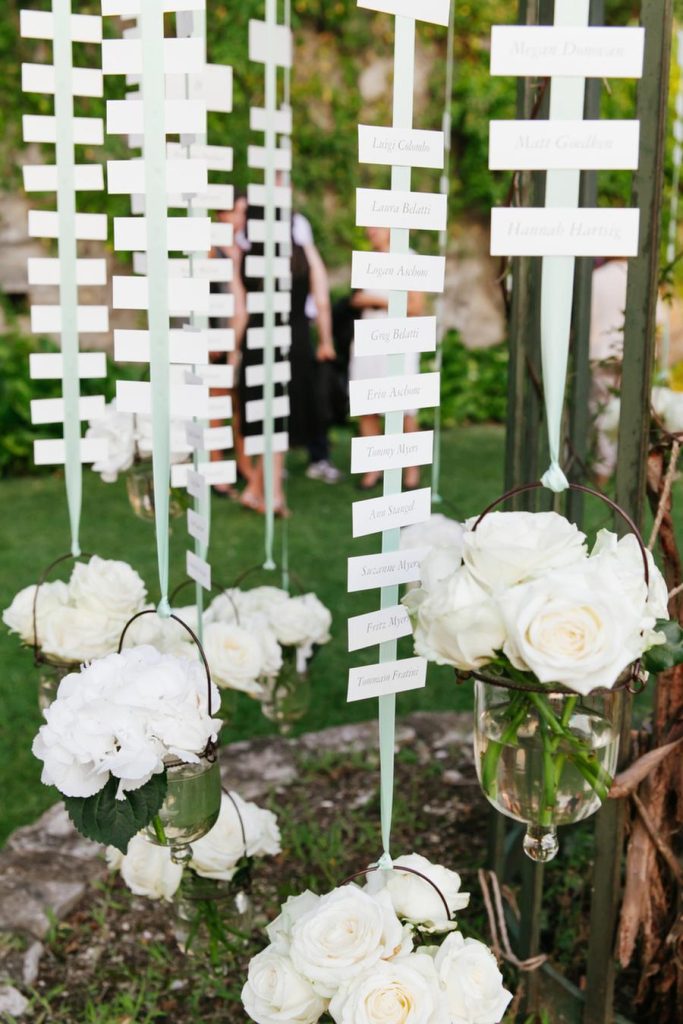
x: 156, y: 211
x: 68, y: 254
x: 567, y: 100
x: 404, y: 79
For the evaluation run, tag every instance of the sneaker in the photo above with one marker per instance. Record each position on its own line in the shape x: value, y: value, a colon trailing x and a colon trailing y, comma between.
x: 324, y: 471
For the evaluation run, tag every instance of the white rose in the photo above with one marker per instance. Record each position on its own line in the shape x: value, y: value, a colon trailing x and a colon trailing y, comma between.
x: 147, y: 869
x: 474, y: 987
x: 346, y: 933
x: 72, y: 744
x: 291, y: 621
x: 668, y: 406
x: 260, y: 599
x: 625, y: 560
x: 438, y: 532
x: 118, y: 430
x: 438, y: 566
x: 234, y: 656
x: 279, y: 931
x: 275, y: 993
x: 510, y: 547
x: 459, y: 624
x: 223, y: 608
x: 107, y: 586
x: 417, y: 901
x: 217, y: 854
x: 575, y: 627
x: 166, y: 635
x: 78, y: 634
x: 19, y: 616
x: 405, y: 991
x: 271, y: 652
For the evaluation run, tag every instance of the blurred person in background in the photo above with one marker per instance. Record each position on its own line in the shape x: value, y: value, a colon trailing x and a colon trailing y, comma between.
x: 375, y: 305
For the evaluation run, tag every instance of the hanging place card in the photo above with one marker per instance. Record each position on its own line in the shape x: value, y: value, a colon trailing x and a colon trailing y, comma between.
x: 46, y: 271
x: 256, y: 410
x: 184, y: 234
x: 185, y: 295
x: 281, y: 301
x: 540, y: 51
x: 434, y: 11
x: 390, y: 677
x: 258, y: 156
x: 89, y: 227
x: 564, y: 232
x: 127, y: 177
x: 394, y: 335
x: 43, y: 178
x: 379, y: 627
x: 90, y: 319
x: 256, y: 231
x: 198, y: 569
x: 391, y: 512
x: 83, y: 28
x: 393, y: 451
x: 255, y: 266
x: 394, y: 394
x: 557, y: 145
x: 198, y: 527
x: 274, y: 45
x: 368, y: 572
x: 185, y: 346
x: 255, y: 376
x: 217, y: 158
x: 281, y: 121
x: 385, y: 271
x: 415, y: 211
x: 256, y: 445
x: 221, y: 339
x: 124, y: 56
x: 132, y: 8
x: 282, y: 337
x: 219, y: 408
x: 87, y: 131
x: 50, y: 365
x: 224, y: 472
x: 187, y: 401
x: 125, y: 117
x: 51, y: 410
x: 400, y: 147
x: 41, y: 78
x: 209, y: 439
x: 256, y: 196
x: 52, y: 452
x: 216, y: 375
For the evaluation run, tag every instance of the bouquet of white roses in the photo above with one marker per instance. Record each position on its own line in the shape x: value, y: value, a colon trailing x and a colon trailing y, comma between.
x: 113, y: 733
x: 216, y: 881
x: 82, y: 619
x: 523, y: 603
x: 352, y: 954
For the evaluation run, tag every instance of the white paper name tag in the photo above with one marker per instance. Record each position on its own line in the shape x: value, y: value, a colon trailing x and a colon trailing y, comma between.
x: 256, y: 410
x: 434, y: 11
x: 188, y: 401
x: 256, y: 231
x: 391, y: 512
x: 41, y: 78
x: 550, y: 145
x: 51, y: 410
x: 198, y: 570
x: 43, y: 178
x: 50, y: 365
x: 415, y: 211
x: 87, y: 131
x: 392, y: 677
x: 217, y: 158
x: 52, y: 452
x: 131, y: 8
x: 540, y: 51
x: 213, y: 197
x: 564, y: 232
x: 280, y: 121
x: 89, y: 227
x: 223, y: 472
x: 366, y: 572
x: 394, y: 451
x: 185, y: 295
x: 132, y: 346
x: 184, y: 234
x: 394, y: 394
x: 254, y: 446
x: 220, y: 407
x: 209, y: 439
x: 270, y: 43
x: 196, y: 484
x: 395, y: 335
x: 385, y: 271
x: 256, y: 196
x: 83, y: 28
x: 379, y: 627
x: 400, y: 147
x: 198, y: 526
x: 221, y: 339
x: 125, y: 117
x: 46, y: 271
x: 282, y: 337
x: 256, y: 375
x: 281, y: 302
x: 255, y: 266
x: 217, y: 375
x: 89, y: 319
x: 124, y: 56
x: 127, y: 177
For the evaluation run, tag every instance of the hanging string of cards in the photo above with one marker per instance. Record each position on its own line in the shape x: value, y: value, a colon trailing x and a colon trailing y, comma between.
x: 67, y: 228
x: 672, y: 235
x: 397, y: 272
x: 569, y: 52
x: 268, y: 262
x: 164, y: 289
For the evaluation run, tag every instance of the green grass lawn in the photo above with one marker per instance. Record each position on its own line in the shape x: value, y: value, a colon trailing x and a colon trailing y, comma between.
x: 34, y: 531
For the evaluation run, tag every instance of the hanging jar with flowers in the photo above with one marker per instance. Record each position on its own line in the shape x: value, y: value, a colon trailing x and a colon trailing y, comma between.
x: 553, y: 635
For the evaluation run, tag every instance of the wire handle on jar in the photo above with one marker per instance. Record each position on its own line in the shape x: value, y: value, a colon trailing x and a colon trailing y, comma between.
x: 409, y: 871
x: 176, y: 618
x: 241, y: 577
x: 45, y: 575
x: 524, y: 488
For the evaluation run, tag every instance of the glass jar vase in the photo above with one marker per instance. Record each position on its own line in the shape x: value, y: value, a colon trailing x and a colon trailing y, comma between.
x: 545, y: 759
x: 287, y: 696
x: 191, y: 807
x: 213, y: 916
x: 140, y: 487
x: 50, y: 675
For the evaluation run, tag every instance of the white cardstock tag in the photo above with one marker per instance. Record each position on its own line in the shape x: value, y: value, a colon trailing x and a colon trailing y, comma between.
x: 392, y: 677
x: 198, y: 570
x: 43, y: 178
x: 556, y: 145
x: 197, y: 526
x: 256, y: 410
x: 434, y: 11
x: 394, y: 394
x: 265, y: 47
x: 385, y: 271
x: 400, y: 147
x: 366, y: 572
x: 392, y: 451
x: 415, y: 211
x: 548, y: 51
x: 49, y: 365
x: 255, y: 376
x: 395, y: 335
x: 196, y: 484
x: 564, y: 232
x: 391, y: 512
x: 282, y: 337
x: 52, y: 451
x: 254, y: 446
x: 379, y: 627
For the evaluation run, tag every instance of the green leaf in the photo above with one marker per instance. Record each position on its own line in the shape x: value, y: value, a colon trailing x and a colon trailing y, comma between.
x: 665, y: 656
x: 104, y: 819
